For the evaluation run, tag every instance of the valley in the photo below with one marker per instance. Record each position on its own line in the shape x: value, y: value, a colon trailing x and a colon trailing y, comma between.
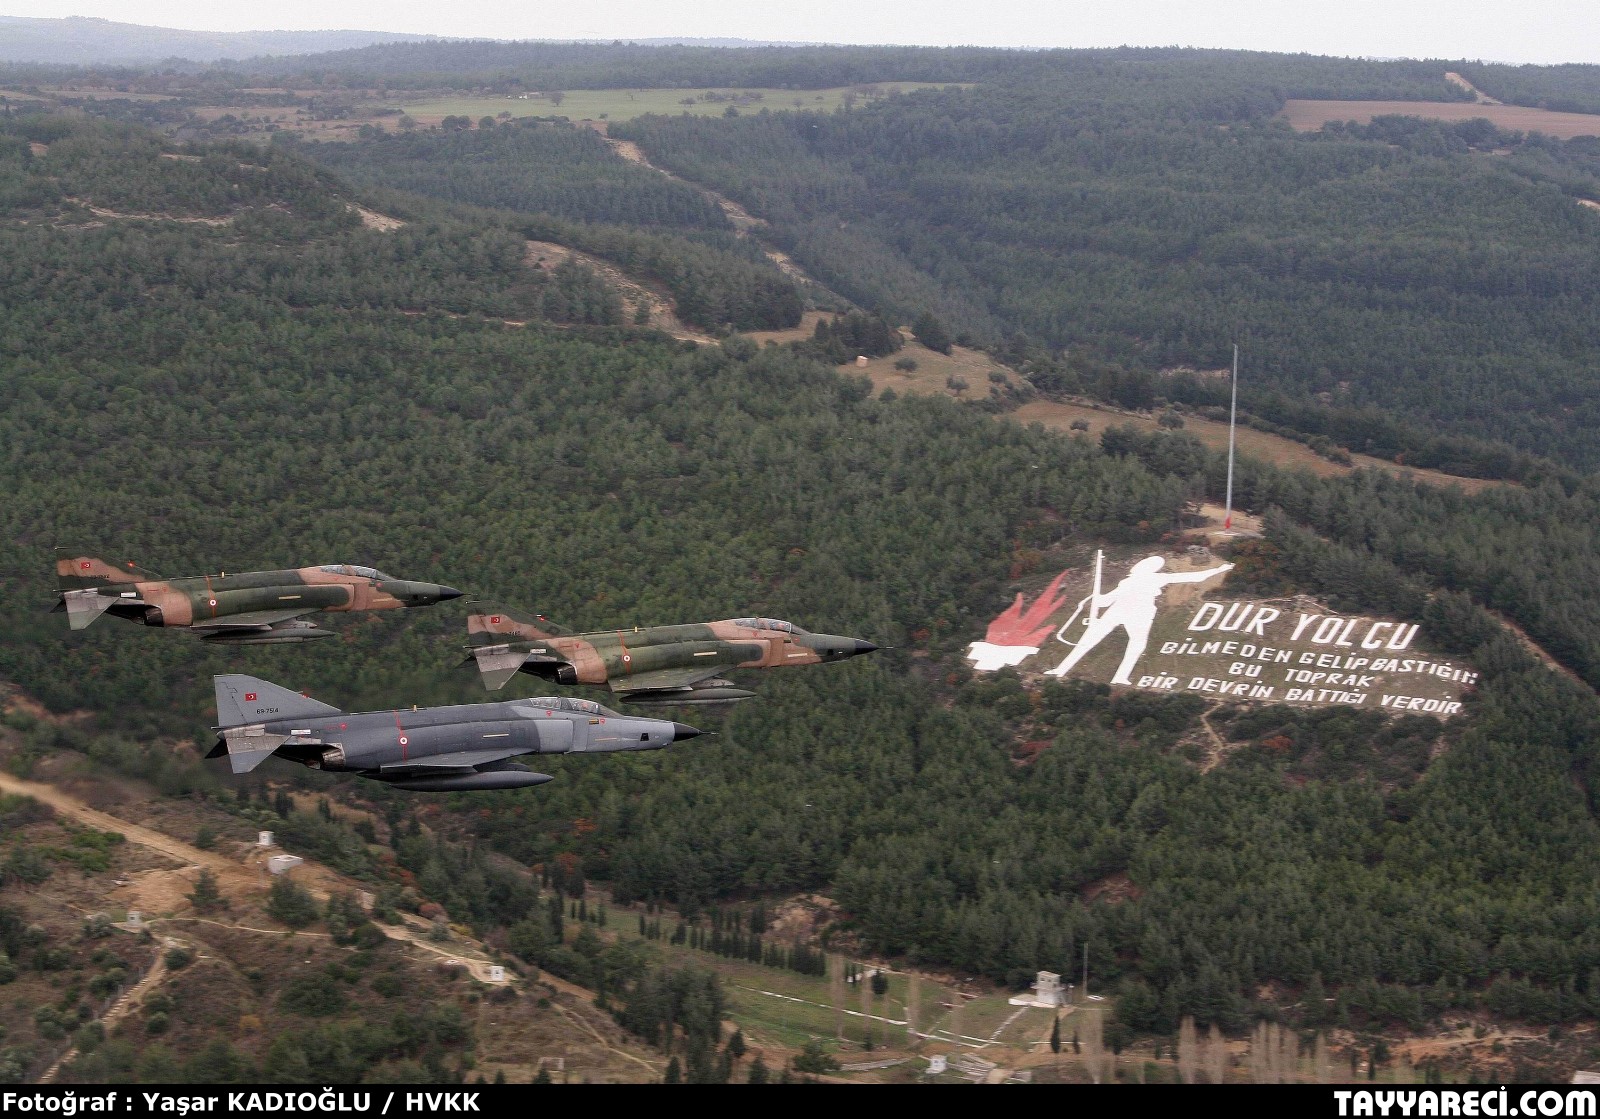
x: 906, y: 362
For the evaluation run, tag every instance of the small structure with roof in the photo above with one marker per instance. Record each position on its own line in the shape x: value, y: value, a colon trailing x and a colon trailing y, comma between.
x: 1047, y: 992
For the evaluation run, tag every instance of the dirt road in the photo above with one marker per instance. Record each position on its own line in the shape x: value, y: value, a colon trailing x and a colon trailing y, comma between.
x: 235, y: 878
x: 745, y: 224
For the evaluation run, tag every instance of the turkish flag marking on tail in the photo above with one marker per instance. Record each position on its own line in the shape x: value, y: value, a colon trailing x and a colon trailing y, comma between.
x: 494, y: 619
x: 249, y: 697
x: 84, y: 564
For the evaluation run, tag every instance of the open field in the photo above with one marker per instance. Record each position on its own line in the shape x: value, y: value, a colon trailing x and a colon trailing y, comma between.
x: 962, y: 374
x: 625, y: 104
x: 779, y: 1011
x: 933, y: 371
x: 1309, y: 116
x: 105, y: 95
x: 977, y: 370
x: 1275, y: 449
x: 594, y: 106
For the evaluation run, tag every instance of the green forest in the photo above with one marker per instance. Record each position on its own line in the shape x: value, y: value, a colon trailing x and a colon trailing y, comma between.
x: 1402, y: 270
x: 209, y: 362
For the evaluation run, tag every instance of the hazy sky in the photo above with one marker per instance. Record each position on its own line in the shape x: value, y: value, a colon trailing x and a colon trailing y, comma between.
x: 1525, y: 31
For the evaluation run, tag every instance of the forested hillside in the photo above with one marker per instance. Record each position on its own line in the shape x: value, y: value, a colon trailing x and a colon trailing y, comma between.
x: 536, y: 65
x: 1402, y: 268
x: 278, y: 383
x: 1573, y: 88
x: 563, y: 184
x: 530, y: 166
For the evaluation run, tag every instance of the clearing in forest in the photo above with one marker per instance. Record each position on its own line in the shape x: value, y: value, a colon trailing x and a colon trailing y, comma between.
x: 962, y: 374
x: 1310, y: 116
x: 625, y: 104
x: 1275, y: 449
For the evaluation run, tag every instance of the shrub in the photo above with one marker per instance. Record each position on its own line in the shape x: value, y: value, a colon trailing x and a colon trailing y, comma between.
x: 48, y: 1021
x: 312, y: 996
x: 291, y: 904
x: 813, y: 1058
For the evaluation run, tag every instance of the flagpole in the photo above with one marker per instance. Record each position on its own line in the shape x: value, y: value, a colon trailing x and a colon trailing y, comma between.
x: 1233, y: 419
x: 1094, y: 602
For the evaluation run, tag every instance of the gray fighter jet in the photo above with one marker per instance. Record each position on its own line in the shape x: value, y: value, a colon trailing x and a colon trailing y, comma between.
x: 435, y: 749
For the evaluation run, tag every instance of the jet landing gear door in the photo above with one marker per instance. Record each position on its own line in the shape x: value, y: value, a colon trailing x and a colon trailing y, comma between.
x: 556, y: 736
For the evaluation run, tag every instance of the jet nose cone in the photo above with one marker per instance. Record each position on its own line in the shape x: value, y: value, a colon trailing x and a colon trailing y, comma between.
x: 864, y: 647
x: 680, y: 731
x: 447, y: 593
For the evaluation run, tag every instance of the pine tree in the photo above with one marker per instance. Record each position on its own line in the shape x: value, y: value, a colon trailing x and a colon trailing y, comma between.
x: 931, y: 333
x: 205, y: 897
x: 674, y: 1072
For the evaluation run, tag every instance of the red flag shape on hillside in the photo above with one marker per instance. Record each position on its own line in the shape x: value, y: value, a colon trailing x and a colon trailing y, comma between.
x: 1027, y: 626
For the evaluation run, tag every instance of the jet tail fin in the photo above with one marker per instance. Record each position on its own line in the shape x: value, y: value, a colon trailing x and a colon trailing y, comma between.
x: 492, y: 625
x: 77, y: 572
x: 243, y: 700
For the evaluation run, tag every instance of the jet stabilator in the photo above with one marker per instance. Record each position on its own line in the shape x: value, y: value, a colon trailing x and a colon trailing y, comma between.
x: 461, y: 748
x: 245, y: 608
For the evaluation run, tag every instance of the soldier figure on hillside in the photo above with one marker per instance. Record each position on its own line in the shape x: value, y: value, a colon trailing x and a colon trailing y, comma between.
x: 1131, y: 604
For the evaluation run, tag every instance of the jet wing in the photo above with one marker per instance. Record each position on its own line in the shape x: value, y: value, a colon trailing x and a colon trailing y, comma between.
x: 666, y: 679
x: 462, y: 761
x: 257, y: 620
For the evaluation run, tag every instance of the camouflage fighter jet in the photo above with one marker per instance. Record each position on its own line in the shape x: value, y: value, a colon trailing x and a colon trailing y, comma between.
x: 435, y: 749
x: 245, y: 608
x: 655, y: 664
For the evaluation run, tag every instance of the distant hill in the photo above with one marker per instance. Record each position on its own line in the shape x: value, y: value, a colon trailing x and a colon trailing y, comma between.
x: 82, y: 40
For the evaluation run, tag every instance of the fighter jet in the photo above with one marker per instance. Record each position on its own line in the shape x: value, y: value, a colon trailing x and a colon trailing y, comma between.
x: 243, y: 608
x: 679, y: 664
x: 436, y: 749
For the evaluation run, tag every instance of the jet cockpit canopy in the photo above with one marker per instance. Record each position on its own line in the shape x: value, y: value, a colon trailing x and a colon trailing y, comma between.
x: 358, y: 572
x: 576, y: 706
x: 769, y: 623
